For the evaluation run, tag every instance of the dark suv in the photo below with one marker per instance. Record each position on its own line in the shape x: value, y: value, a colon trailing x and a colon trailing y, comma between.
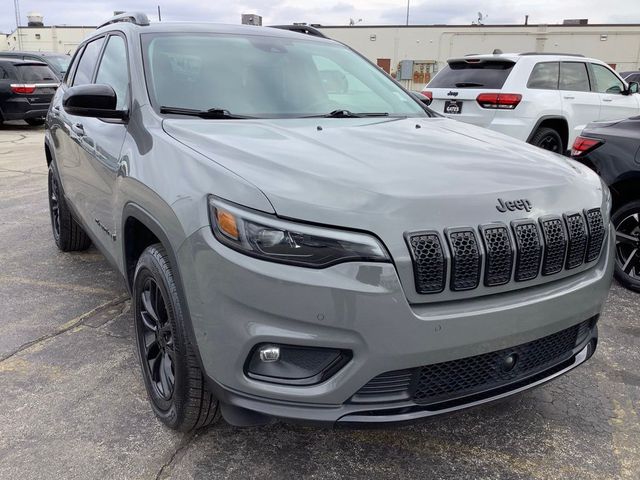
x: 304, y: 239
x: 58, y: 62
x: 26, y: 90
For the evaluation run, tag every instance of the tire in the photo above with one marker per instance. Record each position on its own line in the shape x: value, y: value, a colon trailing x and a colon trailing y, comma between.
x: 35, y: 122
x: 67, y: 233
x: 175, y: 385
x: 626, y: 220
x: 548, y: 139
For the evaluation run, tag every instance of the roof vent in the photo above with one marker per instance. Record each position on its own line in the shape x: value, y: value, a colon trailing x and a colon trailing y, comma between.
x: 35, y: 19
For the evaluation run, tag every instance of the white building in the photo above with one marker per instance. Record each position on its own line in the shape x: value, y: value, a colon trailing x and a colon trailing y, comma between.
x: 429, y: 46
x: 37, y: 37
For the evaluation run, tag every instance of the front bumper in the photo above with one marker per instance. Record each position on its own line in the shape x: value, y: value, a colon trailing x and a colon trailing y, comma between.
x: 236, y: 302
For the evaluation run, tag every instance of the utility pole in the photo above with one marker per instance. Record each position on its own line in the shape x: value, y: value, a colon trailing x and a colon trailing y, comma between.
x: 16, y: 8
x: 407, y: 11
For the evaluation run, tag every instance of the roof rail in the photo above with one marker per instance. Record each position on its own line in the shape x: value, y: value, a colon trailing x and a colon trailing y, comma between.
x: 137, y: 18
x: 525, y: 54
x: 306, y: 29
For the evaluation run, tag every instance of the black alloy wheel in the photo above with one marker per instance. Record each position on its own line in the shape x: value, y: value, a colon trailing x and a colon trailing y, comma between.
x: 157, y: 339
x: 627, y: 224
x: 548, y: 139
x: 177, y: 389
x: 54, y: 204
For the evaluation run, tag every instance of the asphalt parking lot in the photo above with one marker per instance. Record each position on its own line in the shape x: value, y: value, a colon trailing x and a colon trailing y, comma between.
x: 73, y: 404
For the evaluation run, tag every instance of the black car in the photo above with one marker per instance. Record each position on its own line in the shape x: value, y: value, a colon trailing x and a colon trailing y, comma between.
x: 26, y: 90
x: 612, y: 149
x: 58, y: 62
x: 631, y: 76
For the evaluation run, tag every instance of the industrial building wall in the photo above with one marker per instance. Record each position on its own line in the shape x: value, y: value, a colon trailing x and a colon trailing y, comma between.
x: 61, y: 39
x: 618, y: 45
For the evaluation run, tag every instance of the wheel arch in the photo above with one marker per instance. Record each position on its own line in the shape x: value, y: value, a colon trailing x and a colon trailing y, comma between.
x: 558, y: 123
x: 625, y: 190
x: 134, y: 218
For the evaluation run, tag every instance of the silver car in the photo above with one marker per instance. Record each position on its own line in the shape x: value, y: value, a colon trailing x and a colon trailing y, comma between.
x: 304, y: 239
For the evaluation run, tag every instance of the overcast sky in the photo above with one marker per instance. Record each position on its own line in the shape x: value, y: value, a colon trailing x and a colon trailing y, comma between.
x: 329, y: 12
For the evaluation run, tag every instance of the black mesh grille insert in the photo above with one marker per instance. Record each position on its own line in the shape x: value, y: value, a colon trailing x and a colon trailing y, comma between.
x: 465, y: 262
x: 529, y: 250
x: 555, y: 241
x: 499, y: 255
x: 470, y: 375
x: 596, y: 234
x: 577, y: 239
x: 429, y: 262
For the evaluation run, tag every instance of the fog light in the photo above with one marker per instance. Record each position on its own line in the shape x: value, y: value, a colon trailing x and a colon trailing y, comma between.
x: 294, y: 365
x: 269, y: 353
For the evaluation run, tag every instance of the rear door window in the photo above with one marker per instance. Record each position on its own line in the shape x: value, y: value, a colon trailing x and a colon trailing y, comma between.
x: 35, y: 73
x: 473, y: 74
x: 574, y: 77
x: 87, y: 65
x: 545, y: 75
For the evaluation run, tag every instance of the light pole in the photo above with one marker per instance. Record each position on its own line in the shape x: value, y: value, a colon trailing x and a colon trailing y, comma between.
x: 16, y: 8
x: 408, y: 11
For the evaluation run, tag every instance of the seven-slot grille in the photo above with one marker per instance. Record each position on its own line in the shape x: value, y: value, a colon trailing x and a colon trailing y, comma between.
x: 441, y: 382
x: 519, y: 252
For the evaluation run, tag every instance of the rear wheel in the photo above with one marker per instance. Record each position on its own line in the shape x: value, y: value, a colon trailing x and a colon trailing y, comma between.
x: 176, y: 387
x: 34, y: 122
x: 67, y: 233
x: 547, y: 139
x: 626, y: 221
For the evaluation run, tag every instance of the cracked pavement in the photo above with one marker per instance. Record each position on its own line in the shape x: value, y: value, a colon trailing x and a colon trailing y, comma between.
x: 73, y: 404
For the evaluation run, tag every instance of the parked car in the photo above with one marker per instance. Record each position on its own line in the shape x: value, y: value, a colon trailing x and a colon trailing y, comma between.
x: 544, y: 99
x: 612, y: 149
x: 330, y: 257
x: 58, y: 62
x: 26, y: 90
x: 631, y: 76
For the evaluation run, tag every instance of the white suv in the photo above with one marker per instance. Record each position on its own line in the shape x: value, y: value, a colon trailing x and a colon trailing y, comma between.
x: 544, y: 99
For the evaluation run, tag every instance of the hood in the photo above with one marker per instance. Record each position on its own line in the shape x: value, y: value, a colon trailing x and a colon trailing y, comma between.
x: 418, y: 173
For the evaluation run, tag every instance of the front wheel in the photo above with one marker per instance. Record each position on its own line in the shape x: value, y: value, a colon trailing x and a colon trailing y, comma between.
x: 626, y: 220
x: 547, y: 139
x: 175, y: 384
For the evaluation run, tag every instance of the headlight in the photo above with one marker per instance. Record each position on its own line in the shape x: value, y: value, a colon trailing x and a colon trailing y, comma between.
x: 276, y: 240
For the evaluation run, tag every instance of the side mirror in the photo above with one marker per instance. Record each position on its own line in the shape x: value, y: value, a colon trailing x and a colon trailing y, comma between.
x: 92, y: 101
x: 421, y: 97
x: 633, y: 88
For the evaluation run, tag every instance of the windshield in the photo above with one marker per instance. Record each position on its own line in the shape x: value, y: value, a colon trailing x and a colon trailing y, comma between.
x: 262, y: 76
x: 60, y: 62
x: 470, y: 74
x: 36, y: 74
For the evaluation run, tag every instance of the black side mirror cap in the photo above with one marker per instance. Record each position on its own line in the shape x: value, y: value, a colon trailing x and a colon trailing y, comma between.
x: 634, y: 87
x: 92, y: 100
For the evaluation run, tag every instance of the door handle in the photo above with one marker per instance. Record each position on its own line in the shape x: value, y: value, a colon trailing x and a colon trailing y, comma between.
x: 569, y: 98
x: 78, y: 129
x: 607, y: 100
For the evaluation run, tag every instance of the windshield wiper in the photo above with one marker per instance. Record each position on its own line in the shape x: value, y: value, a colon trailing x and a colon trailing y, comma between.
x: 342, y: 113
x: 469, y: 84
x: 210, y: 113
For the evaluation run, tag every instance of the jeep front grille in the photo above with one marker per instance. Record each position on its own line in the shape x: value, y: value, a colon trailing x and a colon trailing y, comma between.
x: 555, y: 241
x: 465, y: 261
x: 596, y: 234
x: 500, y: 254
x: 577, y: 239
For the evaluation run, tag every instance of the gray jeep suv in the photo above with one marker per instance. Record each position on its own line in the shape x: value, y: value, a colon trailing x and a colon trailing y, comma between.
x: 303, y: 239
